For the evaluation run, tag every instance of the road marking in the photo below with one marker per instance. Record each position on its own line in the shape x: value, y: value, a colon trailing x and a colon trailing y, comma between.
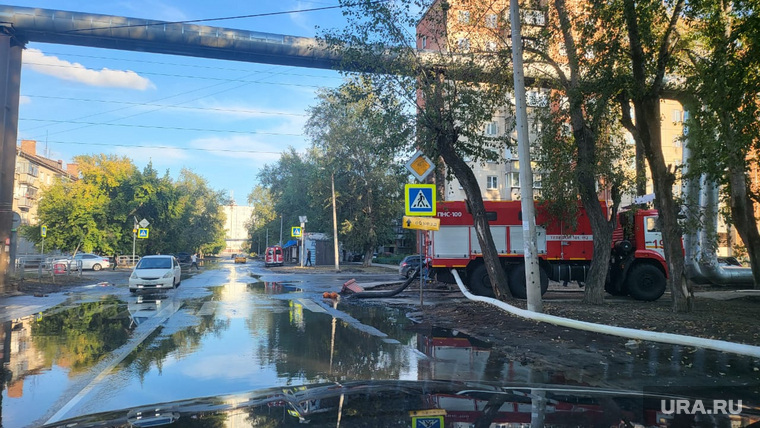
x: 117, y: 357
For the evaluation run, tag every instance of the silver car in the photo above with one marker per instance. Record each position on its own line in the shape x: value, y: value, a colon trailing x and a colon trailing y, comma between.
x: 155, y: 272
x: 89, y: 261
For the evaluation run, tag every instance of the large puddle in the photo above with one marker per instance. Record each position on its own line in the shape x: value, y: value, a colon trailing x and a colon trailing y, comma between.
x: 244, y: 336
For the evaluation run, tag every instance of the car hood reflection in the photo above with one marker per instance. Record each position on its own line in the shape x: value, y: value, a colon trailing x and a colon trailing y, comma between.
x: 428, y: 403
x: 145, y: 306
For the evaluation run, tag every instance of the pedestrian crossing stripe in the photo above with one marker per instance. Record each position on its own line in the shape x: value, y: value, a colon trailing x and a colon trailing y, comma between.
x: 420, y: 199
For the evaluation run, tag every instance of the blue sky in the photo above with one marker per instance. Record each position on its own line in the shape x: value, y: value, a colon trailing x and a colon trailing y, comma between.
x: 223, y: 120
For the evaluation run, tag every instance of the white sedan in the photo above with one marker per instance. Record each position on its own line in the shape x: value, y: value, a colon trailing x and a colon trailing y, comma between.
x: 155, y: 272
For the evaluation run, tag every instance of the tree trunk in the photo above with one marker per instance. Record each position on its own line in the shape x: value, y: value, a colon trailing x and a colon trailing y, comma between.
x: 743, y: 216
x: 601, y: 228
x: 648, y: 124
x: 469, y: 183
x: 585, y: 141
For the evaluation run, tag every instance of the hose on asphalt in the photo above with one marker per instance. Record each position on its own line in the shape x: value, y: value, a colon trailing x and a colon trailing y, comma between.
x: 630, y: 333
x: 388, y: 293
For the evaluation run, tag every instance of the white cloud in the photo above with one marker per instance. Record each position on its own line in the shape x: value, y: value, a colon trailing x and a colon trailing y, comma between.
x: 240, y: 147
x: 35, y: 60
x: 302, y: 19
x: 23, y: 99
x: 161, y: 156
x: 246, y: 111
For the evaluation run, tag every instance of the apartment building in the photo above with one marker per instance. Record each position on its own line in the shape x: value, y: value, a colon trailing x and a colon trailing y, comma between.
x: 238, y: 217
x: 33, y: 174
x: 472, y: 26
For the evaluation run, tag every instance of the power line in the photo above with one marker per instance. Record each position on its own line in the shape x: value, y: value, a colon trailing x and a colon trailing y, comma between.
x: 171, y: 128
x: 147, y: 146
x: 226, y: 110
x: 185, y: 76
x: 160, y: 99
x: 226, y: 18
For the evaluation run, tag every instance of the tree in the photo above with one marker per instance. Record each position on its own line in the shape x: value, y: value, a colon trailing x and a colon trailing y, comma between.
x: 724, y: 132
x: 79, y: 214
x: 290, y: 184
x: 201, y: 222
x: 652, y: 43
x: 356, y: 136
x: 263, y: 214
x: 98, y: 211
x: 593, y: 148
x: 452, y: 98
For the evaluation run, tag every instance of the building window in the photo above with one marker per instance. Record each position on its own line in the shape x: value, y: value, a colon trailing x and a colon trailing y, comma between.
x: 491, y: 20
x: 464, y: 16
x: 493, y: 182
x: 424, y: 42
x: 492, y: 128
x: 677, y: 116
x: 537, y: 99
x: 463, y: 44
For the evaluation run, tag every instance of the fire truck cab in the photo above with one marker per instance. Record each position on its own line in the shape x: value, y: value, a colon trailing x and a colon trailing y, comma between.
x: 637, y: 266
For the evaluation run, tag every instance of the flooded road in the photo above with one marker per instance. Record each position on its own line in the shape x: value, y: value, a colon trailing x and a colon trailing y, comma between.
x: 239, y: 328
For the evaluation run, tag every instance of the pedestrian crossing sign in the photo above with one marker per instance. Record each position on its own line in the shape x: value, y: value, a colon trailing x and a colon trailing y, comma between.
x: 142, y: 233
x: 295, y: 232
x: 419, y: 199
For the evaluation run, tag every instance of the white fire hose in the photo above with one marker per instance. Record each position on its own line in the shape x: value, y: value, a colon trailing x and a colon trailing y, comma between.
x: 674, y: 339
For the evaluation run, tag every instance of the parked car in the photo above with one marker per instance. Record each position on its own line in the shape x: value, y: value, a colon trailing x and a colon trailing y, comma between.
x: 155, y: 272
x: 89, y: 261
x: 183, y: 257
x: 408, y: 265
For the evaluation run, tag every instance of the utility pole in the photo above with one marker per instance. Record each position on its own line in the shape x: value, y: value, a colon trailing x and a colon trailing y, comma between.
x: 281, y: 231
x: 134, y: 239
x: 532, y: 272
x: 335, y: 224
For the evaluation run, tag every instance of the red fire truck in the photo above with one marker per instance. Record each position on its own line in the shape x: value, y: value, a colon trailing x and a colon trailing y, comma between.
x: 637, y: 266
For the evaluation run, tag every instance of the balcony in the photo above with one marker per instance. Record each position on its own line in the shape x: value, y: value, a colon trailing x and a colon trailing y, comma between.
x: 26, y: 202
x: 26, y: 178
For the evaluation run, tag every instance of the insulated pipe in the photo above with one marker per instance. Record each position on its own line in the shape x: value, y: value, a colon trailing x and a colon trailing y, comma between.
x: 145, y: 35
x: 673, y: 339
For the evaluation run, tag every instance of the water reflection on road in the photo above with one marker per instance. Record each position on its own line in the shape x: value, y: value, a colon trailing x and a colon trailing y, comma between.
x: 227, y: 332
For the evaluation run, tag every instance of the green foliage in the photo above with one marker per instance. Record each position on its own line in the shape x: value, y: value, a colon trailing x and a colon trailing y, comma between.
x: 97, y: 212
x: 355, y: 136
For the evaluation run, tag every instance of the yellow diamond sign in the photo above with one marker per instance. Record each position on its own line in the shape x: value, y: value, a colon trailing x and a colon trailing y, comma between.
x: 420, y: 166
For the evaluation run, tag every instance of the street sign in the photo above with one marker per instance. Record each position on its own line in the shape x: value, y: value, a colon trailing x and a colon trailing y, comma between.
x: 16, y: 222
x: 43, y: 231
x: 144, y: 223
x: 427, y: 422
x: 422, y: 223
x: 420, y: 166
x: 295, y: 232
x: 419, y: 199
x: 142, y: 233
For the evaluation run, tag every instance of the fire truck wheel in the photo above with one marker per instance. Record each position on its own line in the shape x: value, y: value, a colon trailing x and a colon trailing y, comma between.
x: 517, y: 281
x: 646, y: 282
x: 479, y: 282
